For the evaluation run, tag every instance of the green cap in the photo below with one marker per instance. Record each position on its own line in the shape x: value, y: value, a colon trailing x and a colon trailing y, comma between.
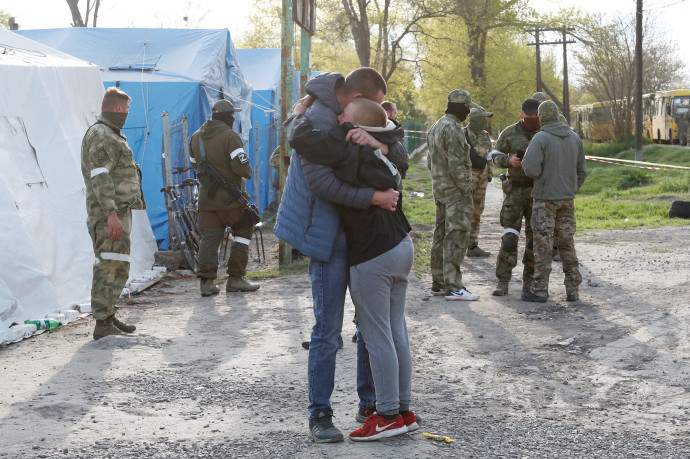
x: 540, y: 96
x: 481, y: 111
x: 460, y: 96
x: 224, y: 106
x: 548, y: 110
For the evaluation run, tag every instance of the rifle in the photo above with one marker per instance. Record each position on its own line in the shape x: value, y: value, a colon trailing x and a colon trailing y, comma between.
x: 218, y: 180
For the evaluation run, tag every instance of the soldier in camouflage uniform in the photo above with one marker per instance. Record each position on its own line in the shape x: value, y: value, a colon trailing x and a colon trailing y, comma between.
x: 517, y: 201
x: 223, y: 149
x: 555, y: 160
x: 482, y: 172
x: 113, y: 188
x: 451, y: 176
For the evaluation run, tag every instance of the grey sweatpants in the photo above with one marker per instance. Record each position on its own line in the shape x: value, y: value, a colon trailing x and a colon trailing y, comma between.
x: 378, y: 289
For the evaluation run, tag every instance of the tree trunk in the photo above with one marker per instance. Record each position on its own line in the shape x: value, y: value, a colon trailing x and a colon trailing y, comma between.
x: 360, y: 30
x: 95, y: 12
x: 476, y: 52
x: 77, y: 21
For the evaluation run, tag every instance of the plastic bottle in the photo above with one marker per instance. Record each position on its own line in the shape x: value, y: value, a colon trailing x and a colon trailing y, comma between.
x: 44, y: 324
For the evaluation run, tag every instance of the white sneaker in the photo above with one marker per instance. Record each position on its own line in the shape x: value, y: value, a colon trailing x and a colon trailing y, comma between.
x: 463, y: 295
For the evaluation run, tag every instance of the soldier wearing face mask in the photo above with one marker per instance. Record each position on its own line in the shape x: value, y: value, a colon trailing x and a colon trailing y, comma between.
x: 217, y: 143
x: 451, y: 178
x: 517, y: 202
x: 482, y: 172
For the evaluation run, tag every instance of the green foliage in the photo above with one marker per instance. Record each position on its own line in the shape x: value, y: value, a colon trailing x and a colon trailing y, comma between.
x: 633, y: 179
x: 418, y: 209
x: 4, y: 20
x: 265, y: 30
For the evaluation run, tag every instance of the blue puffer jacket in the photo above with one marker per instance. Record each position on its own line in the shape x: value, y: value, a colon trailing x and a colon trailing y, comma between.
x: 307, y: 218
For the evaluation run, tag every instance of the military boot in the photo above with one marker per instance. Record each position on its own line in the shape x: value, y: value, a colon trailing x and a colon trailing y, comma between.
x: 127, y: 328
x: 240, y: 284
x: 208, y: 287
x: 476, y: 252
x: 104, y: 327
x: 501, y: 289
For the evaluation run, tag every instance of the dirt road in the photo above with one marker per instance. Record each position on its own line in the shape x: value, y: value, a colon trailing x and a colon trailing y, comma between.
x: 606, y: 377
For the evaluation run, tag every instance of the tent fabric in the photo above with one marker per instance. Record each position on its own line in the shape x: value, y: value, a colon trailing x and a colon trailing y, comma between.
x: 261, y: 67
x: 179, y: 71
x: 47, y: 101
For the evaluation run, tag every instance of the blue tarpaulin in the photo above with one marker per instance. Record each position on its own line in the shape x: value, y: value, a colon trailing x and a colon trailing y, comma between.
x: 179, y: 71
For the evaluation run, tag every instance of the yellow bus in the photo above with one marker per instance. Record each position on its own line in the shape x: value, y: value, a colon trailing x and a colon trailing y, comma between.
x: 601, y: 122
x: 664, y: 119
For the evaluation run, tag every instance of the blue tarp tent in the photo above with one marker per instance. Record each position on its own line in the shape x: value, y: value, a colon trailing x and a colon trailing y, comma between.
x: 179, y: 71
x: 261, y: 68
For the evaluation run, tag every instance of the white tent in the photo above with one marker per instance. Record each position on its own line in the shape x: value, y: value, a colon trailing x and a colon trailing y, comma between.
x: 47, y: 101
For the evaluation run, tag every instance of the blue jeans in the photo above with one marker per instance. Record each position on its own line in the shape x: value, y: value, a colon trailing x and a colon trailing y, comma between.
x: 329, y: 285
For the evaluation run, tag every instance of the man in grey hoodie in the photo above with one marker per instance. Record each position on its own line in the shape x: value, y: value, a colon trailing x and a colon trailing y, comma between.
x: 555, y: 160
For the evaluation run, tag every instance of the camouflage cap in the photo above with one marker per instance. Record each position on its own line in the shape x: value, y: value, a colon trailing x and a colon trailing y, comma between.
x: 224, y: 105
x: 548, y: 110
x: 562, y: 119
x: 460, y: 96
x: 540, y: 96
x: 481, y: 111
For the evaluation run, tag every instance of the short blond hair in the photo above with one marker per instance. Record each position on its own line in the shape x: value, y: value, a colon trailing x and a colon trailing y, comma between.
x: 112, y: 97
x: 368, y: 113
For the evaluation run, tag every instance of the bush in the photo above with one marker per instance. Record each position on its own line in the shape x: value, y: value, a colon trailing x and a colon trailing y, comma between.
x: 635, y: 178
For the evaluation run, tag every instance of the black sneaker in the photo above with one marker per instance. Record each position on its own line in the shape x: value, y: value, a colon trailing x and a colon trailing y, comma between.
x: 322, y: 429
x: 361, y: 415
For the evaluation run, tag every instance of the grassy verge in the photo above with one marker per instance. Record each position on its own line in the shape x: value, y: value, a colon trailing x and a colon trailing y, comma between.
x: 602, y: 205
x: 300, y: 267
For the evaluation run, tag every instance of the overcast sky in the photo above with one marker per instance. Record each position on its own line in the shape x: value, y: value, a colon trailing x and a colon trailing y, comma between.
x: 232, y: 14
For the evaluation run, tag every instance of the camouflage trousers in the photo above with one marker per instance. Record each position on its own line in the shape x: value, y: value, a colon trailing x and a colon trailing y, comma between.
x: 451, y: 236
x: 517, y: 203
x: 554, y: 221
x: 212, y: 224
x: 479, y: 183
x: 111, y: 269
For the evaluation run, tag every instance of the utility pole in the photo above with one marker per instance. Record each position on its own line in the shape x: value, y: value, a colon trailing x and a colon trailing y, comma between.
x: 287, y: 73
x: 638, y: 83
x: 565, y: 105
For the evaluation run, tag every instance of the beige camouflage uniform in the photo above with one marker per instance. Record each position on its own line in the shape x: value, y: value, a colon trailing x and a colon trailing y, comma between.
x: 451, y: 175
x: 112, y: 184
x: 480, y: 177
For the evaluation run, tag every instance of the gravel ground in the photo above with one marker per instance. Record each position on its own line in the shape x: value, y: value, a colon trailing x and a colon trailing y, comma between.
x: 221, y: 377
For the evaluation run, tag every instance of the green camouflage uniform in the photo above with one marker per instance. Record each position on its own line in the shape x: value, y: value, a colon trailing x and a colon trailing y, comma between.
x: 451, y: 176
x: 225, y: 151
x: 112, y: 185
x: 480, y: 179
x: 687, y: 135
x: 553, y: 219
x: 517, y: 203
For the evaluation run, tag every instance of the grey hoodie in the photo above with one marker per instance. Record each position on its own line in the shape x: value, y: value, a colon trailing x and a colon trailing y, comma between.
x: 555, y: 160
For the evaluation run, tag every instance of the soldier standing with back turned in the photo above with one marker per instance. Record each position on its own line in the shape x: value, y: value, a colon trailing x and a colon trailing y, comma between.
x: 216, y: 143
x: 482, y: 172
x: 451, y: 178
x: 113, y: 189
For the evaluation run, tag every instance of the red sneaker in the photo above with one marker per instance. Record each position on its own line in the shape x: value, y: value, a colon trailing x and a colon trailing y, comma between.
x: 410, y: 421
x: 377, y: 427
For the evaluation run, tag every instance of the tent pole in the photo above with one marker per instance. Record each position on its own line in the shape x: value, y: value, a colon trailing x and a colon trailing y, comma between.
x: 166, y: 162
x: 286, y: 87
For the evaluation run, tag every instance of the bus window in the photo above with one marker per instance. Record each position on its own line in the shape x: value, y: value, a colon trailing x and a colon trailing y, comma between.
x: 681, y: 104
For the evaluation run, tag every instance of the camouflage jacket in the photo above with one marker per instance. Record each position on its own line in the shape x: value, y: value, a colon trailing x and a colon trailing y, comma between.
x: 225, y: 151
x: 110, y: 173
x: 482, y: 145
x: 449, y: 161
x: 513, y: 140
